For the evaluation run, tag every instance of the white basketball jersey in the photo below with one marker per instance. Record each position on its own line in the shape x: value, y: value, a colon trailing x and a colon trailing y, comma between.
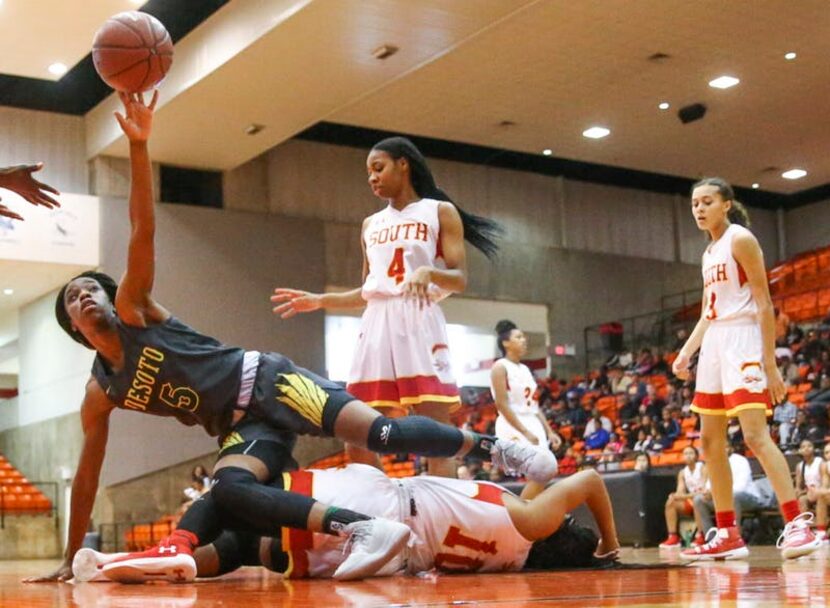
x: 398, y: 243
x: 459, y: 525
x: 726, y: 289
x: 521, y: 387
x: 811, y: 473
x: 694, y: 479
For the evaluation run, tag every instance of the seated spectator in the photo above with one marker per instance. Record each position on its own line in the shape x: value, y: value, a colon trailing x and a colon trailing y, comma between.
x: 651, y: 405
x: 812, y: 346
x: 576, y: 413
x: 630, y: 409
x: 821, y: 394
x: 568, y: 464
x: 784, y: 416
x: 686, y: 396
x: 799, y: 431
x: 200, y: 483
x: 645, y: 441
x: 747, y: 494
x: 598, y: 439
x: 795, y: 336
x: 596, y: 422
x: 668, y: 428
x: 691, y: 481
x: 734, y: 432
x: 645, y: 362
x: 810, y: 479
x: 642, y: 462
x: 788, y: 369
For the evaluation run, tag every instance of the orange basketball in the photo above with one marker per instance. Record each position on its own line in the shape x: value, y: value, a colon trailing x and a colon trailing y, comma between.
x: 132, y: 51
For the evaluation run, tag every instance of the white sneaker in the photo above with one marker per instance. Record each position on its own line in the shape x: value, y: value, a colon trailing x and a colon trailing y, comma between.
x: 534, y: 463
x: 798, y: 539
x: 371, y: 544
x: 87, y: 565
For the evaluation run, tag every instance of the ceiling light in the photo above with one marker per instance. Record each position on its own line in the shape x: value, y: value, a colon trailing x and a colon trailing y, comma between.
x: 596, y: 132
x: 756, y: 185
x: 790, y: 56
x: 724, y: 82
x: 8, y: 291
x: 794, y: 174
x: 58, y: 69
x: 253, y: 128
x: 664, y: 105
x: 547, y: 151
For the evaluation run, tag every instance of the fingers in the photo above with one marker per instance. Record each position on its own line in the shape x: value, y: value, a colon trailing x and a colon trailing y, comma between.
x: 6, y: 212
x: 46, y: 187
x: 122, y: 121
x: 35, y: 167
x: 153, y: 101
x: 285, y: 309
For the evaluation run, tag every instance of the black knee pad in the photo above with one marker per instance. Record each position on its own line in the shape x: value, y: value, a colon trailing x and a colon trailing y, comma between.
x: 227, y: 551
x: 414, y: 434
x: 226, y: 485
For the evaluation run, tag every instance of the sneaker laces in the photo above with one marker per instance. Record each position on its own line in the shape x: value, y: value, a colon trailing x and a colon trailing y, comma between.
x: 357, y: 535
x: 511, y: 450
x: 800, y: 523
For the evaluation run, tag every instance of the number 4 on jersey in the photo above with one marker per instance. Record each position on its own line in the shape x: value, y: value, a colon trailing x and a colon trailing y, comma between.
x: 397, y: 268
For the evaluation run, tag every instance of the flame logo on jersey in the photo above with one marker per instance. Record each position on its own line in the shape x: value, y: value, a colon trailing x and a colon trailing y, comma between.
x: 231, y: 440
x: 752, y: 373
x: 303, y: 396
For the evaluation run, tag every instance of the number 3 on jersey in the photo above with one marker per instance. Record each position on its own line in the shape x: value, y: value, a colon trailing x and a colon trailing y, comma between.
x: 397, y: 268
x: 711, y: 314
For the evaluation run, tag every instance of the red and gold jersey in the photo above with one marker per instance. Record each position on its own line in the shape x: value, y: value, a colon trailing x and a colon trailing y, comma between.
x: 398, y: 243
x: 459, y: 526
x: 726, y: 289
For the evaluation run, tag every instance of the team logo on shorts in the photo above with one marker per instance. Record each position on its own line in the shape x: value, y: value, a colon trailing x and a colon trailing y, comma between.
x: 303, y: 396
x: 752, y: 373
x: 441, y: 358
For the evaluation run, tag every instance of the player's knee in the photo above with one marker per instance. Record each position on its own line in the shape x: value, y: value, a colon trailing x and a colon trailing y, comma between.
x: 756, y: 439
x: 228, y: 482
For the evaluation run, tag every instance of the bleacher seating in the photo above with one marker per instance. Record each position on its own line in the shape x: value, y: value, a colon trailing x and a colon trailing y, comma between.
x: 18, y: 495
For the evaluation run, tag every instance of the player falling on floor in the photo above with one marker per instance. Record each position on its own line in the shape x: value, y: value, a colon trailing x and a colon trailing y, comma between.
x: 150, y: 362
x: 736, y: 371
x: 459, y: 525
x: 413, y: 257
x: 514, y: 391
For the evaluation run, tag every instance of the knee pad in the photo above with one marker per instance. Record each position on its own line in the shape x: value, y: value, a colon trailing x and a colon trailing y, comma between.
x: 226, y: 485
x: 414, y: 434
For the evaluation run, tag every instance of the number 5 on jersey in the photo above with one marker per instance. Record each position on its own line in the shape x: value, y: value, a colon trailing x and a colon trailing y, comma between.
x: 397, y: 268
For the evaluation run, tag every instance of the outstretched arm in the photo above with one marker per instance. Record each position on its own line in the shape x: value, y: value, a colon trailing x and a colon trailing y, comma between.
x: 134, y: 301
x: 95, y: 412
x: 541, y: 516
x: 19, y: 179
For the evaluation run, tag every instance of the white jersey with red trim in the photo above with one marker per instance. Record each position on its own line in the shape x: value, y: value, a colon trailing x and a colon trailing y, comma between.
x: 726, y: 289
x: 811, y: 473
x: 459, y: 525
x: 521, y: 387
x: 694, y: 479
x: 398, y: 243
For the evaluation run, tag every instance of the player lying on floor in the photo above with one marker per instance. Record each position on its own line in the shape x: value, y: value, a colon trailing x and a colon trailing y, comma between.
x: 458, y: 526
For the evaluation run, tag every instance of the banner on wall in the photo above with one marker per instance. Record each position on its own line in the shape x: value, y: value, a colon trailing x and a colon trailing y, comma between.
x: 65, y: 235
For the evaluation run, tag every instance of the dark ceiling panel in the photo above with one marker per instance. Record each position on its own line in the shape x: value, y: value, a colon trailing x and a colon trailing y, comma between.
x: 80, y: 89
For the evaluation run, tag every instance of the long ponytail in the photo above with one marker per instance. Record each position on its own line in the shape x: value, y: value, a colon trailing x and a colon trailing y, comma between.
x: 481, y: 232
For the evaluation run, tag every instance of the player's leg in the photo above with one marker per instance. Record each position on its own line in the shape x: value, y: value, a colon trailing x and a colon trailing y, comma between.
x: 440, y: 412
x: 673, y: 509
x: 542, y: 516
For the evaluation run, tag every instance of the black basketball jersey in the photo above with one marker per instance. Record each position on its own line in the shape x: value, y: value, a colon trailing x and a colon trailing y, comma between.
x: 172, y: 370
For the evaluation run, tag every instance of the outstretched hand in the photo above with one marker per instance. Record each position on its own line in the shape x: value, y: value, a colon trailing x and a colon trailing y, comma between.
x: 19, y: 179
x: 138, y: 121
x: 293, y: 301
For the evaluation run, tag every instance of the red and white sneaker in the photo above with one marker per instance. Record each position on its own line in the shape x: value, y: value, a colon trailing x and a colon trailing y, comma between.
x: 726, y: 543
x: 672, y: 542
x: 698, y: 540
x: 171, y: 560
x: 88, y: 564
x: 798, y: 539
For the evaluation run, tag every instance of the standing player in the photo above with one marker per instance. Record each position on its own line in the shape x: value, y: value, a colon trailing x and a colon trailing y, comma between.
x: 691, y: 480
x: 736, y: 373
x: 19, y: 179
x: 413, y: 257
x: 514, y: 390
x: 150, y: 362
x: 460, y: 525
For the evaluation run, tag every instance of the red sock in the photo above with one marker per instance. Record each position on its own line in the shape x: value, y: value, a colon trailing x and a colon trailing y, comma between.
x: 725, y: 519
x: 790, y: 510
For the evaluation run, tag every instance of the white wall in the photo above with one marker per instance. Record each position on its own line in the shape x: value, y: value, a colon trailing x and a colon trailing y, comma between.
x: 807, y: 227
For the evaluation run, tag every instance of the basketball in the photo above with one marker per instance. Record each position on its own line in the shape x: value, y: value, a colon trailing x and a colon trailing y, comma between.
x: 132, y: 51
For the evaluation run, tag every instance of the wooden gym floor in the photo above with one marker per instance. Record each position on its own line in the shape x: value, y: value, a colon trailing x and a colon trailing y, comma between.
x: 762, y: 581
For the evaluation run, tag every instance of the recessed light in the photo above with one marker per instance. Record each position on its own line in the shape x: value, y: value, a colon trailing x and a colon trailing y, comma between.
x: 547, y: 151
x: 756, y: 185
x: 253, y: 128
x: 384, y: 51
x: 596, y: 132
x: 664, y: 105
x: 8, y: 291
x: 724, y: 82
x: 790, y: 56
x: 58, y: 69
x: 794, y: 174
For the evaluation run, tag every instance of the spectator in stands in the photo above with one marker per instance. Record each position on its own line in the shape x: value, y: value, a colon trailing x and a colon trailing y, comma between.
x: 576, y: 413
x: 691, y: 481
x: 686, y: 395
x: 652, y: 405
x: 746, y: 493
x: 734, y: 432
x: 784, y: 416
x: 568, y: 464
x: 800, y: 430
x: 645, y: 440
x: 642, y: 462
x: 795, y: 335
x: 821, y: 394
x: 788, y: 369
x: 645, y: 362
x: 598, y: 439
x: 596, y: 422
x: 625, y: 382
x: 200, y: 473
x: 612, y: 453
x: 810, y: 477
x: 615, y: 376
x: 668, y: 428
x: 630, y: 410
x: 812, y: 347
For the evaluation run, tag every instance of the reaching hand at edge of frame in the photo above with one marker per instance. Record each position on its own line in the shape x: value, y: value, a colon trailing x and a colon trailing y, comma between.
x: 293, y: 301
x: 19, y: 179
x: 137, y: 122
